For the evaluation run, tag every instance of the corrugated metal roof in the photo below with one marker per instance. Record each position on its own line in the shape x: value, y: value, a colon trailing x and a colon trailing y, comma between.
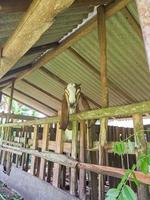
x: 127, y: 66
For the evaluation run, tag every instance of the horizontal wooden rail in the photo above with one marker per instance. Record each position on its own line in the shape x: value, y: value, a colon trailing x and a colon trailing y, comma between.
x: 69, y: 162
x: 117, y: 111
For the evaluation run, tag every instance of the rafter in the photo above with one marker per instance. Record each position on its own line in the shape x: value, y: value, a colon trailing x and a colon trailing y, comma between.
x: 25, y: 104
x: 48, y: 73
x: 82, y: 31
x: 41, y: 90
x: 34, y: 23
x: 34, y: 99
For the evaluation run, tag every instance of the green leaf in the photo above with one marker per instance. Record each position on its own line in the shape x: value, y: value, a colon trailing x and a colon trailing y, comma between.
x: 135, y: 179
x: 128, y: 193
x: 144, y: 166
x: 113, y: 193
x: 119, y: 148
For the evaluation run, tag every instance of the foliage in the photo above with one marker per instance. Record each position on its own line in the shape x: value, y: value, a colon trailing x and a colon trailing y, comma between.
x: 123, y: 191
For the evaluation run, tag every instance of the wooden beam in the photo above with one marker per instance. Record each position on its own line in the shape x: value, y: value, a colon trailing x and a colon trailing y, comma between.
x: 41, y: 90
x: 117, y: 111
x: 25, y: 104
x: 14, y: 116
x: 14, y: 6
x: 48, y: 73
x: 34, y: 23
x: 67, y: 161
x: 101, y: 25
x: 143, y: 10
x: 140, y: 141
x: 34, y: 99
x: 82, y: 31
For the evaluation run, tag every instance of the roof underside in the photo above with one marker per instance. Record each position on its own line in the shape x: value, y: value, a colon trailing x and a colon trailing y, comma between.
x: 128, y: 74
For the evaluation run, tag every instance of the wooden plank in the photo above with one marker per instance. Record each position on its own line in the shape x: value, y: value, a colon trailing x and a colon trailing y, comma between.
x: 34, y: 23
x: 16, y: 116
x: 82, y: 172
x: 143, y: 193
x: 101, y: 23
x: 73, y: 182
x: 34, y: 146
x: 143, y: 10
x: 116, y: 111
x: 64, y: 160
x: 59, y: 149
x: 44, y: 148
x: 82, y: 31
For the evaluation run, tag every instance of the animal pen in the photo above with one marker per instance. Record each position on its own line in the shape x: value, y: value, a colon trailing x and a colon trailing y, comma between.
x: 74, y: 153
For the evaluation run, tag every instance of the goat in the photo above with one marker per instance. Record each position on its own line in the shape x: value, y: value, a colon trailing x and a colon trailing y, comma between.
x: 70, y: 104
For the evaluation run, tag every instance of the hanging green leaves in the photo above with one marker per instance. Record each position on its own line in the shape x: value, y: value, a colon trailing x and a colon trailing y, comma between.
x: 128, y: 193
x: 119, y: 148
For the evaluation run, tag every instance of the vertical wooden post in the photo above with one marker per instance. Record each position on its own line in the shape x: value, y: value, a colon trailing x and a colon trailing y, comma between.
x: 141, y: 142
x: 34, y: 146
x: 44, y: 148
x: 101, y: 22
x: 144, y: 15
x: 59, y: 149
x: 82, y: 194
x: 73, y: 183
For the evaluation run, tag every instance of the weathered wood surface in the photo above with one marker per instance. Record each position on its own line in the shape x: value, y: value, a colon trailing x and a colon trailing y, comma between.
x: 34, y: 23
x: 44, y: 148
x: 16, y: 116
x: 58, y: 149
x: 144, y: 15
x: 140, y: 141
x: 117, y: 111
x: 73, y: 182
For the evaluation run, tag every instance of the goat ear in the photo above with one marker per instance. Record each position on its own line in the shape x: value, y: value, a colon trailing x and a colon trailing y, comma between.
x: 64, y: 118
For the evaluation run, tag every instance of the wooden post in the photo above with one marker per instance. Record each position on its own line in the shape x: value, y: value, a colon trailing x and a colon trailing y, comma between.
x: 73, y: 183
x: 44, y: 148
x: 59, y: 149
x: 144, y: 15
x: 141, y: 142
x: 82, y: 175
x: 34, y: 146
x: 101, y: 22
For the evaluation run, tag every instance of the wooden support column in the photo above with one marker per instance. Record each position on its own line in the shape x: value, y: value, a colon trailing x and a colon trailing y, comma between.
x: 59, y: 149
x: 73, y: 182
x: 101, y: 22
x: 141, y: 142
x: 34, y: 146
x: 44, y: 148
x: 82, y: 172
x: 144, y: 15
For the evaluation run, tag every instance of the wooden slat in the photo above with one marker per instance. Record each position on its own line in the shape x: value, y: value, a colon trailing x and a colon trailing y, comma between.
x: 73, y: 182
x: 34, y: 23
x: 44, y: 148
x: 59, y: 149
x: 34, y: 146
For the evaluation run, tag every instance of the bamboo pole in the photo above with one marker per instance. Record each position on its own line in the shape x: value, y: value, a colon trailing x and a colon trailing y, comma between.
x: 73, y: 182
x: 101, y: 21
x: 143, y: 193
x: 44, y: 148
